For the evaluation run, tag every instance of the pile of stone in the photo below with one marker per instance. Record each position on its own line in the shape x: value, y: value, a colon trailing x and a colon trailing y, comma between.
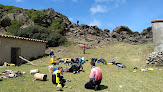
x: 155, y: 58
x: 11, y: 74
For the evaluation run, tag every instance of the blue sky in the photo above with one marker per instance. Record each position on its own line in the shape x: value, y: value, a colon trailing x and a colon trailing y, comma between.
x: 106, y: 14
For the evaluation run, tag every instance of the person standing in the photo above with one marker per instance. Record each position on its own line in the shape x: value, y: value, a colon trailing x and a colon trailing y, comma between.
x: 95, y: 78
x: 77, y: 22
x: 84, y: 47
x: 51, y: 53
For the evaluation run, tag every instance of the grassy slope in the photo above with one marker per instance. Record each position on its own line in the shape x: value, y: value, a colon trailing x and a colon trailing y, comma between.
x: 112, y: 75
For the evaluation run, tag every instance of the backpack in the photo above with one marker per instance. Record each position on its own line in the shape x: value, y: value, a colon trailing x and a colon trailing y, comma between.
x: 102, y: 61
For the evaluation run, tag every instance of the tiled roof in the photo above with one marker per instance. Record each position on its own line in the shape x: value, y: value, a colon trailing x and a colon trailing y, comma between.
x: 22, y: 38
x: 157, y: 20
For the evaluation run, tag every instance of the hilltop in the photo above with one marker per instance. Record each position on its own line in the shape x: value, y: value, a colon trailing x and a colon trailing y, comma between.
x: 57, y: 29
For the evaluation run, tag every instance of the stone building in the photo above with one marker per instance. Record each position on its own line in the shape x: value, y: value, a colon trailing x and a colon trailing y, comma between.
x: 12, y: 46
x: 157, y: 28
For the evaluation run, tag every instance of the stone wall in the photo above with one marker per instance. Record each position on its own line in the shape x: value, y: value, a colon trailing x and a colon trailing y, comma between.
x: 155, y: 58
x: 157, y: 29
x: 28, y: 49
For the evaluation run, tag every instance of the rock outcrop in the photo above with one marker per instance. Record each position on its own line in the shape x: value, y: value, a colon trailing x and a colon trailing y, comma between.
x: 155, y: 58
x: 79, y: 34
x: 20, y: 17
x: 52, y: 15
x: 92, y: 35
x: 124, y: 34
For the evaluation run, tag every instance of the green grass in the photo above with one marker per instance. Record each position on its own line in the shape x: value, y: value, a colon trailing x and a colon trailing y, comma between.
x: 113, y: 77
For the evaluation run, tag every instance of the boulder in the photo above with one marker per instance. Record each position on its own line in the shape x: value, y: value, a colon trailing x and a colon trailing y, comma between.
x: 147, y: 32
x: 2, y: 30
x: 124, y: 34
x: 20, y: 17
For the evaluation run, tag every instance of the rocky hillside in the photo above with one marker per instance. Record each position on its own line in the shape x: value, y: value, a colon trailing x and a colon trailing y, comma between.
x: 92, y: 35
x: 56, y: 22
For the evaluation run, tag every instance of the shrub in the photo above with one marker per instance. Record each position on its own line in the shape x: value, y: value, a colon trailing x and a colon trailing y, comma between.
x: 42, y: 33
x: 37, y: 17
x: 56, y: 39
x: 35, y: 32
x: 67, y: 43
x: 1, y: 6
x: 14, y: 27
x: 58, y: 26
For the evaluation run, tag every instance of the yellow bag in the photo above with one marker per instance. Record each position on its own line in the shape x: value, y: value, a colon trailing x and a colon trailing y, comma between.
x: 11, y: 64
x: 150, y: 69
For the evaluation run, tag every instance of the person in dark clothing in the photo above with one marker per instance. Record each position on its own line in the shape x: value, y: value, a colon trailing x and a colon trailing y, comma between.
x: 51, y: 53
x: 77, y: 22
x: 93, y: 59
x: 76, y: 68
x: 76, y: 60
x: 72, y: 60
x: 102, y: 61
x: 95, y: 77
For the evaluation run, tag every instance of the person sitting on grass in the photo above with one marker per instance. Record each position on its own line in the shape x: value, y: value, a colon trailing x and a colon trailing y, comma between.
x: 57, y: 79
x: 95, y: 77
x: 72, y: 60
x: 53, y: 61
x: 74, y: 68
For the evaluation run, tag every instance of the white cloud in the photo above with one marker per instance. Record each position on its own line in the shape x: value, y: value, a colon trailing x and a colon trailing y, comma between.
x: 74, y: 0
x: 98, y: 8
x: 95, y: 23
x: 18, y: 0
x: 102, y: 7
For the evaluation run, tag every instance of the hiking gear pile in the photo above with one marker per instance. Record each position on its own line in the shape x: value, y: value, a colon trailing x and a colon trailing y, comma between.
x: 117, y: 64
x: 11, y: 74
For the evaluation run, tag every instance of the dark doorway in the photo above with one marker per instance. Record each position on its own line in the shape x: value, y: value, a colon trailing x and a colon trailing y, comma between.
x: 15, y: 53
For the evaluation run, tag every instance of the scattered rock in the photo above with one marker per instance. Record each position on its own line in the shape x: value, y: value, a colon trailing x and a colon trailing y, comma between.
x: 65, y: 86
x: 120, y: 86
x: 70, y: 87
x: 60, y: 50
x: 155, y: 58
x: 160, y: 69
x: 10, y: 74
x: 140, y: 52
